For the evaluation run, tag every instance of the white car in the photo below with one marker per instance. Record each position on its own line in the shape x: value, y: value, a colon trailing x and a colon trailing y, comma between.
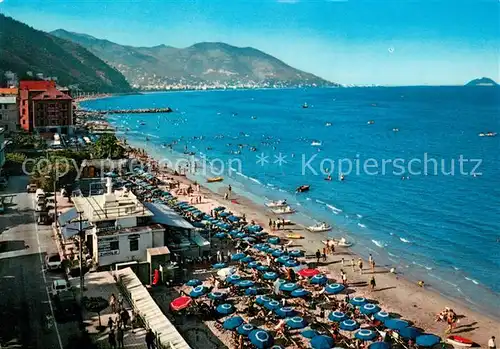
x: 58, y: 286
x: 53, y: 261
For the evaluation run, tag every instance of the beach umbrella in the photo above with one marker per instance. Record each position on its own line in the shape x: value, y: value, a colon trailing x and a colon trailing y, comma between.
x: 220, y: 208
x: 274, y: 240
x: 220, y: 235
x: 194, y: 282
x: 260, y: 247
x: 365, y: 335
x: 288, y: 287
x: 249, y: 239
x: 282, y: 259
x: 382, y: 316
x: 334, y: 288
x: 253, y: 264
x: 349, y: 325
x: 261, y: 339
x: 247, y: 259
x: 219, y: 265
x: 263, y: 268
x: 379, y: 345
x: 285, y: 312
x: 319, y: 279
x: 322, y: 342
x: 233, y: 322
x: 233, y: 219
x: 263, y: 300
x: 270, y: 275
x: 225, y: 309
x: 241, y: 235
x: 337, y: 316
x: 276, y: 347
x: 198, y: 291
x: 278, y: 253
x: 369, y: 309
x: 410, y: 333
x: 427, y: 340
x: 272, y: 305
x: 234, y: 232
x: 358, y: 301
x: 180, y: 303
x: 291, y: 263
x: 245, y: 329
x: 238, y: 256
x: 234, y: 279
x: 309, y: 333
x: 296, y: 322
x: 252, y: 291
x: 300, y: 293
x: 396, y: 324
x: 261, y: 234
x: 245, y: 283
x: 217, y: 295
x: 224, y: 214
x: 307, y: 273
x: 224, y: 226
x: 296, y: 253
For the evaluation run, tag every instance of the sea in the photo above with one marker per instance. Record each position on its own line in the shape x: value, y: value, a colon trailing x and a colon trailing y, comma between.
x: 420, y: 189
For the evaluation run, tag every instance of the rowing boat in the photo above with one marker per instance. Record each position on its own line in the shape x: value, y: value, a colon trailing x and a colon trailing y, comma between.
x: 458, y: 341
x: 215, y: 179
x: 294, y: 236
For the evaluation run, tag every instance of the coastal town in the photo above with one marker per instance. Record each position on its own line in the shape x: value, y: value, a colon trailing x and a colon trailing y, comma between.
x: 102, y: 247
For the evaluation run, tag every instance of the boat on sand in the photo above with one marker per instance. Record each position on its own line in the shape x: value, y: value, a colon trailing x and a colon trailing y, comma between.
x: 320, y: 227
x: 340, y: 243
x: 459, y: 342
x: 275, y: 204
x: 283, y: 210
x: 215, y: 179
x: 294, y: 236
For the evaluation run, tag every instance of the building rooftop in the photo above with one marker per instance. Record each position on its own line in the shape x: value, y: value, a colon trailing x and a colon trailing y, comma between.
x: 120, y: 204
x: 40, y: 85
x: 9, y: 91
x: 8, y: 100
x: 52, y: 94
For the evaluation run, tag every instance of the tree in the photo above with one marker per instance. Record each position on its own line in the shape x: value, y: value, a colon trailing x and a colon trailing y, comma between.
x: 95, y: 305
x: 47, y: 169
x: 107, y: 146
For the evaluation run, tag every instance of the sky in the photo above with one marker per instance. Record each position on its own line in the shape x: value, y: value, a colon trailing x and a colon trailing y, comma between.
x: 362, y: 42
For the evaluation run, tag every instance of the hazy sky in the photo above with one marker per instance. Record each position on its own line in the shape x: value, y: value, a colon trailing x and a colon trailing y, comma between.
x: 387, y: 42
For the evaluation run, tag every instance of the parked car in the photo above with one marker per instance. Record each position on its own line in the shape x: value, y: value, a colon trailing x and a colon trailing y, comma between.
x: 53, y: 261
x: 31, y: 188
x: 40, y: 207
x: 65, y: 306
x: 58, y: 286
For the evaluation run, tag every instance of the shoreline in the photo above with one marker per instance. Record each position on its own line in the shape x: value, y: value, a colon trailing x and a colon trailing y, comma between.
x: 394, y: 293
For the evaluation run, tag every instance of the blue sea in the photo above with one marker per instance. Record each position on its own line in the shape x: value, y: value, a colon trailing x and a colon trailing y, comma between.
x: 423, y: 193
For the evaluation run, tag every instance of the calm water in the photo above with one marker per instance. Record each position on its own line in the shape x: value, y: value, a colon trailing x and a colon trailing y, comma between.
x: 438, y: 227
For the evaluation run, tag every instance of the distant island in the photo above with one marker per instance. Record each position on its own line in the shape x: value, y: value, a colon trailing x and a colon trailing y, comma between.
x: 482, y: 82
x: 206, y: 65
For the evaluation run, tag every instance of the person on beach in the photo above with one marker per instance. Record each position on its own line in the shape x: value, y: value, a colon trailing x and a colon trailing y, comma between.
x: 325, y: 252
x: 373, y: 284
x: 370, y: 259
x: 331, y: 246
x: 343, y: 276
x: 360, y: 266
x: 112, y: 339
x: 342, y: 261
x: 372, y: 265
x: 270, y: 223
x: 112, y: 302
x: 491, y: 343
x: 353, y: 265
x: 229, y: 190
x: 318, y: 255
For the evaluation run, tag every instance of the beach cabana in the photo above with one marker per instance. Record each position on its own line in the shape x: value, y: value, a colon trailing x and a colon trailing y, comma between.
x: 261, y: 339
x: 233, y: 322
x: 427, y: 340
x: 322, y: 342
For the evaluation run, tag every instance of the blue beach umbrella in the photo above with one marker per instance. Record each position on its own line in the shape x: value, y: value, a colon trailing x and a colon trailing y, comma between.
x: 245, y: 283
x: 233, y: 219
x: 379, y: 345
x: 263, y: 268
x: 322, y: 342
x: 238, y: 256
x: 217, y: 295
x: 349, y: 325
x: 369, y: 309
x: 382, y: 316
x: 249, y: 239
x: 272, y: 305
x: 274, y: 240
x: 232, y: 323
x: 427, y: 340
x: 277, y: 347
x: 194, y: 282
x: 288, y: 287
x: 245, y: 329
x: 358, y: 301
x: 396, y: 324
x: 334, y: 288
x: 225, y: 309
x: 234, y: 232
x: 319, y: 279
x: 296, y: 322
x: 282, y: 259
x: 234, y: 279
x: 253, y: 264
x: 278, y: 253
x: 219, y: 265
x: 365, y: 335
x: 309, y: 333
x: 247, y: 259
x: 261, y: 339
x: 198, y: 291
x: 220, y: 208
x: 263, y: 300
x: 300, y: 293
x: 291, y: 263
x: 270, y: 275
x: 241, y: 235
x: 224, y: 214
x: 252, y: 291
x: 220, y: 235
x: 337, y: 316
x: 296, y: 253
x: 285, y: 312
x: 410, y: 333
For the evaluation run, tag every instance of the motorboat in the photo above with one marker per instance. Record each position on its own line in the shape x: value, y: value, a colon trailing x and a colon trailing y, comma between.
x: 371, y: 122
x: 320, y: 227
x: 344, y: 243
x: 395, y: 129
x: 328, y: 124
x: 274, y: 204
x: 460, y: 342
x: 305, y: 106
x: 303, y: 188
x: 316, y: 143
x: 215, y: 179
x: 283, y: 210
x: 487, y: 134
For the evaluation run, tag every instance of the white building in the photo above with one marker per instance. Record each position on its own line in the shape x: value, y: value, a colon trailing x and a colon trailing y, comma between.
x: 9, y: 113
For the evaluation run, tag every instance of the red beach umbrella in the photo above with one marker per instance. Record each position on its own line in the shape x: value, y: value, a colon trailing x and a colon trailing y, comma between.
x: 308, y: 273
x: 180, y: 303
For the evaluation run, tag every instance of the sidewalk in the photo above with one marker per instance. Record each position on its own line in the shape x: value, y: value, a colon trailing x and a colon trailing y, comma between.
x: 103, y: 285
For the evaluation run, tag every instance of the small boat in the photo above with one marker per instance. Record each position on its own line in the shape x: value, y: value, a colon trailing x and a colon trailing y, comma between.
x: 273, y: 204
x: 458, y: 341
x: 371, y: 122
x: 294, y: 236
x: 395, y: 129
x: 215, y: 179
x: 316, y: 143
x: 328, y: 124
x: 305, y: 106
x: 318, y: 228
x: 287, y: 222
x: 283, y: 210
x: 303, y: 188
x: 487, y: 134
x: 344, y: 243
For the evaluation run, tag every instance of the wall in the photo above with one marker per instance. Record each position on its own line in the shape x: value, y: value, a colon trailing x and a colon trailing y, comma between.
x: 107, y: 256
x: 127, y: 222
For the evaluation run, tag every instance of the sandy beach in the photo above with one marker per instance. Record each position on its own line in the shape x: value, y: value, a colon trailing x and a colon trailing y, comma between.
x: 419, y: 305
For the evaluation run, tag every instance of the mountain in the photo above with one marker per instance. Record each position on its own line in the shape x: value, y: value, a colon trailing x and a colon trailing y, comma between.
x: 24, y: 49
x: 482, y: 82
x: 210, y: 63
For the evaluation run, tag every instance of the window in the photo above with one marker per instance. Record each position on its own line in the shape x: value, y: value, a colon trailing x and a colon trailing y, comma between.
x: 114, y: 245
x: 134, y: 245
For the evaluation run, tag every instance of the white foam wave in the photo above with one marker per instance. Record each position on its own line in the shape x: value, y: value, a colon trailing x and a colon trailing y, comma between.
x: 362, y: 226
x: 242, y: 175
x: 392, y: 254
x: 378, y: 243
x: 333, y: 208
x: 308, y: 199
x: 254, y: 180
x: 270, y: 185
x: 405, y: 240
x: 358, y: 215
x: 282, y: 190
x: 422, y: 266
x: 472, y: 280
x: 319, y: 201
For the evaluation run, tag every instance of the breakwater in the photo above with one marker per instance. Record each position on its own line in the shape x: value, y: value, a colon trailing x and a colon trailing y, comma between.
x: 131, y: 111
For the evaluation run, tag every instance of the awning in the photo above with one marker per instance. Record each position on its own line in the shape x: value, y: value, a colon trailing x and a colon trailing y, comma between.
x: 67, y: 216
x: 165, y: 215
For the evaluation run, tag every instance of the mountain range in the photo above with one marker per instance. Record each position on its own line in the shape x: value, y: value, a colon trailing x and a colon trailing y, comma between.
x: 207, y: 63
x: 24, y: 49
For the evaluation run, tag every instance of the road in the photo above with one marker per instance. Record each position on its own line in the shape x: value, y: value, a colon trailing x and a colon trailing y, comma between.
x: 24, y: 300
